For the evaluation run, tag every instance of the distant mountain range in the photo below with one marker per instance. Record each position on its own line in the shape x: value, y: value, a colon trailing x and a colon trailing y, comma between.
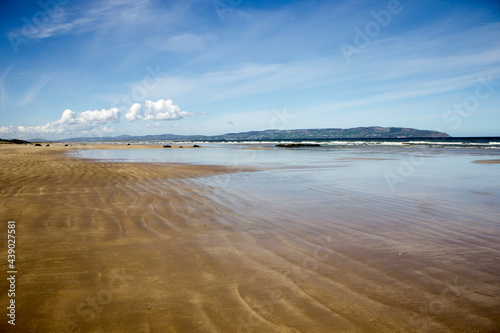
x: 374, y: 132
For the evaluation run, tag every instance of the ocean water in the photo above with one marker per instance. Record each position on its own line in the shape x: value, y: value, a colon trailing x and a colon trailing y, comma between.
x: 318, y: 175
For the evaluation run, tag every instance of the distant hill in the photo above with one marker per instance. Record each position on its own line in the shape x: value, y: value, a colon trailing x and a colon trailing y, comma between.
x: 333, y: 133
x: 374, y: 132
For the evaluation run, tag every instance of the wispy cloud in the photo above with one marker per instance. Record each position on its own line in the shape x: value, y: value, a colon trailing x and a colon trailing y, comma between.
x: 248, y: 80
x: 95, y: 15
x: 32, y: 93
x: 180, y: 43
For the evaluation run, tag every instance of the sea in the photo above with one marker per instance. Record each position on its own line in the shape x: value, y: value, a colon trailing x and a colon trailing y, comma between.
x: 460, y: 174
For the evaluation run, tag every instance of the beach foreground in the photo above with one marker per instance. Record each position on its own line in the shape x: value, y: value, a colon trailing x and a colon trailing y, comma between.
x: 144, y: 247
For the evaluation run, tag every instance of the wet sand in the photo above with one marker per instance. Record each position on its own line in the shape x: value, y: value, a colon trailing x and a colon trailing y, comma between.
x: 136, y: 247
x: 496, y: 161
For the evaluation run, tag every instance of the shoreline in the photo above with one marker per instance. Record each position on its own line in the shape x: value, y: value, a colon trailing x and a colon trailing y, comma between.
x: 119, y: 246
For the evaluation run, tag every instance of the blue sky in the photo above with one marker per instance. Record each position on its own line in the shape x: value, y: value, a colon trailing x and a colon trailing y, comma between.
x: 103, y: 68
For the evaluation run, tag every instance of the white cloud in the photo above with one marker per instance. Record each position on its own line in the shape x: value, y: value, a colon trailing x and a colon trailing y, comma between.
x: 94, y: 16
x: 106, y: 130
x: 83, y: 123
x: 6, y: 129
x: 159, y: 110
x: 68, y: 117
x: 84, y: 120
x: 99, y: 117
x: 134, y: 112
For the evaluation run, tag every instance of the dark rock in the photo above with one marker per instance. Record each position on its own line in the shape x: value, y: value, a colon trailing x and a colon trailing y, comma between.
x: 38, y: 145
x: 167, y: 146
x: 196, y: 146
x: 297, y: 145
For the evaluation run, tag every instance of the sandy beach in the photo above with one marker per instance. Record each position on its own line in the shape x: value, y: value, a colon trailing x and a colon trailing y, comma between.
x: 139, y: 247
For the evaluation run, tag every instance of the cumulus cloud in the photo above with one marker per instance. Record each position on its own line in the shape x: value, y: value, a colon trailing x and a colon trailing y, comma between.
x: 6, y: 129
x: 134, y: 112
x: 82, y: 123
x: 84, y: 120
x: 99, y: 117
x: 159, y: 110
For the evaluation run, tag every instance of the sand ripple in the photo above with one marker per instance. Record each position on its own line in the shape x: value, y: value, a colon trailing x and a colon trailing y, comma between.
x: 131, y: 247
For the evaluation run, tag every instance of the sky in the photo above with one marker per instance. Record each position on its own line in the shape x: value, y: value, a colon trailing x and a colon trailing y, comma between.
x: 97, y: 68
